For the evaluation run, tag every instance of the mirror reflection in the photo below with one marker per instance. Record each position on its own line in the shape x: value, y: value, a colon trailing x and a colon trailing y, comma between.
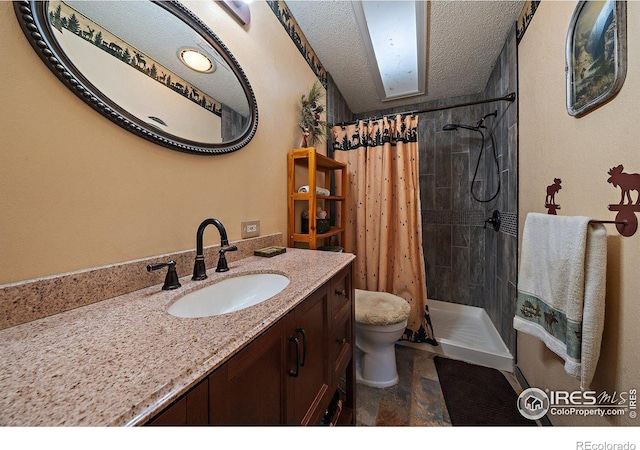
x: 157, y: 65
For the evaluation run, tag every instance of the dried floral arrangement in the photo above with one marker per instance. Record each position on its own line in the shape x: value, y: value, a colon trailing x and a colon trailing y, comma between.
x: 313, y: 128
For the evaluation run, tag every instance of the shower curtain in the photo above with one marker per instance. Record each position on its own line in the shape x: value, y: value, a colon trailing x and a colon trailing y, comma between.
x: 383, y: 223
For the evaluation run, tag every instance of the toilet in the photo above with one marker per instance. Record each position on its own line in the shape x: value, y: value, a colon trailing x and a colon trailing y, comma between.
x: 381, y: 319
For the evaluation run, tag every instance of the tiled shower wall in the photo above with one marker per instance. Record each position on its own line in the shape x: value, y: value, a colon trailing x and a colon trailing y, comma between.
x: 501, y: 249
x: 465, y: 262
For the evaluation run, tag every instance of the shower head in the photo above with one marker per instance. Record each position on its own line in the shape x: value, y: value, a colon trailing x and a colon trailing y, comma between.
x: 480, y: 124
x: 455, y: 126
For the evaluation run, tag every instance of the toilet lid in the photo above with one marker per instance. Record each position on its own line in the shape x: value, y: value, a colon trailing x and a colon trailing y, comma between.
x: 380, y: 308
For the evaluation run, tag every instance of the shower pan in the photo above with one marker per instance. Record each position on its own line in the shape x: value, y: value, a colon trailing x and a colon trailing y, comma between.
x: 466, y: 333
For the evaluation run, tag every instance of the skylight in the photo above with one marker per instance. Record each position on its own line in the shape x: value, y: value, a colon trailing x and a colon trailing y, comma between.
x: 396, y: 38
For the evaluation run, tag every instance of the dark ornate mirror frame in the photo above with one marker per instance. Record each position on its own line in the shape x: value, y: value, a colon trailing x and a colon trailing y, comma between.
x: 32, y: 16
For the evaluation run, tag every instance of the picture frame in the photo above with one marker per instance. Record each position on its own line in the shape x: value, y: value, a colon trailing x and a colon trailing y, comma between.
x: 596, y: 55
x: 239, y: 10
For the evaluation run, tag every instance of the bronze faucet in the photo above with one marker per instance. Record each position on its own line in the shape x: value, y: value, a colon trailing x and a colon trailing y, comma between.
x: 199, y: 269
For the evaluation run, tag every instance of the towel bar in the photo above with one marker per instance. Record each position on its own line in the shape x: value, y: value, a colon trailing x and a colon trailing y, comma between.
x: 625, y: 226
x: 617, y: 222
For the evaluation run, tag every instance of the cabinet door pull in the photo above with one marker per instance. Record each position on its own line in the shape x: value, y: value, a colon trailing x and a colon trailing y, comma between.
x: 341, y: 293
x: 341, y: 341
x: 294, y: 373
x: 304, y: 345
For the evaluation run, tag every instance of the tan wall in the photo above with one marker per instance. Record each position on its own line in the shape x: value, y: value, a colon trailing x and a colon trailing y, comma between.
x: 78, y: 191
x: 580, y: 152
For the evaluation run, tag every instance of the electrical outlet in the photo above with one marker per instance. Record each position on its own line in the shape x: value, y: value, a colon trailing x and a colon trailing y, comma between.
x: 250, y: 228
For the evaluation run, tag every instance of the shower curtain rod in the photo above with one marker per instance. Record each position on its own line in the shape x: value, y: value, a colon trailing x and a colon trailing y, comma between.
x: 507, y: 98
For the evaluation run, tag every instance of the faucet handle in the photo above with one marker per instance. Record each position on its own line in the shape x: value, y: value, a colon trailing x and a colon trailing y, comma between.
x: 494, y: 220
x: 222, y: 260
x: 171, y: 280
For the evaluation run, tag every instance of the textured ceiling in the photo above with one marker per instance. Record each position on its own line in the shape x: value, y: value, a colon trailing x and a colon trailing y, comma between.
x: 464, y: 40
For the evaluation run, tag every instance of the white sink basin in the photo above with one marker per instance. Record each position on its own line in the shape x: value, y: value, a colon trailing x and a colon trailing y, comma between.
x: 229, y: 295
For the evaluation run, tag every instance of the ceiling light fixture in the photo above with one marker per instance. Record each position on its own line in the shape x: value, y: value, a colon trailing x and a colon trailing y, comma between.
x: 395, y: 35
x: 197, y: 61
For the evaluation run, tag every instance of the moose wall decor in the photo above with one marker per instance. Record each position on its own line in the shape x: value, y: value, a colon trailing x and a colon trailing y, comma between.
x: 627, y: 181
x: 626, y: 220
x: 550, y: 200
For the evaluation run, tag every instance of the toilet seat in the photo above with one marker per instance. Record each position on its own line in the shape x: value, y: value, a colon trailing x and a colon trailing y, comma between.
x: 380, y: 308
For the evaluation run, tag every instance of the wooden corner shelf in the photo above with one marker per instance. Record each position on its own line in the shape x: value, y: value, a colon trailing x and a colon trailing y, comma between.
x: 321, y: 172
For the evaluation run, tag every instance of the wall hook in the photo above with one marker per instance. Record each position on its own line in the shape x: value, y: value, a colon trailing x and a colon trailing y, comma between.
x: 550, y: 199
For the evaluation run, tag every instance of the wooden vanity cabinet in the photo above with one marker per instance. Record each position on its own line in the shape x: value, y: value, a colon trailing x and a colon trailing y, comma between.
x: 286, y: 376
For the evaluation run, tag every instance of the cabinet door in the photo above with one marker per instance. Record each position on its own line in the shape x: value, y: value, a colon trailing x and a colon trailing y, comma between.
x: 190, y: 409
x: 309, y: 325
x: 250, y: 389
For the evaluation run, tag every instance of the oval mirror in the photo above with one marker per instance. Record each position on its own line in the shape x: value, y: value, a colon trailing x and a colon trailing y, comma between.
x: 152, y: 67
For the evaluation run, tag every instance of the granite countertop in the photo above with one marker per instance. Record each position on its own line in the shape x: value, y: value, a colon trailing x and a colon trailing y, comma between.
x: 120, y: 361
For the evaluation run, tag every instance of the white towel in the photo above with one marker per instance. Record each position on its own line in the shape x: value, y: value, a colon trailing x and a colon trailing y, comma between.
x: 319, y: 190
x: 561, y: 289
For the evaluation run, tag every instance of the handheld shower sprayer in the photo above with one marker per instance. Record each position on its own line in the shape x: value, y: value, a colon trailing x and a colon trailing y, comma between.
x: 478, y: 128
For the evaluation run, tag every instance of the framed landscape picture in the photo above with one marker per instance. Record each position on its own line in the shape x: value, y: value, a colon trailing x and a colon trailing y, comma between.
x: 596, y: 54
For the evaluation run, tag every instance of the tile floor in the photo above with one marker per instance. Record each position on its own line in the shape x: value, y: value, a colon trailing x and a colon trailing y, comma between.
x: 415, y: 401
